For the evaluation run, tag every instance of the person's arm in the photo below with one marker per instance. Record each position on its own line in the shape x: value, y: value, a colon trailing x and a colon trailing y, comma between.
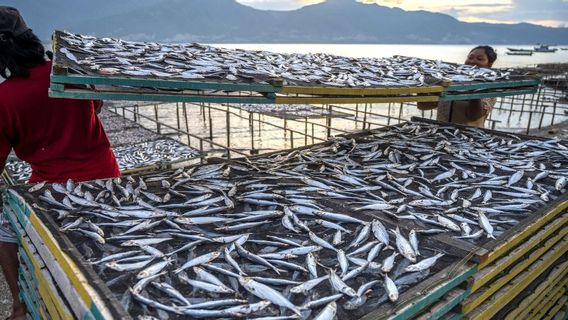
x: 98, y: 105
x: 427, y: 105
x: 5, y: 141
x: 5, y: 148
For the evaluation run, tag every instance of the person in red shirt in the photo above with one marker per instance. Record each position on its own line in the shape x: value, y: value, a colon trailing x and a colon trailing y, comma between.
x: 60, y: 138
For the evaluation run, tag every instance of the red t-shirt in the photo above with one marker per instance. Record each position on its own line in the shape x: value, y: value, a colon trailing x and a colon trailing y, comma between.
x: 60, y: 138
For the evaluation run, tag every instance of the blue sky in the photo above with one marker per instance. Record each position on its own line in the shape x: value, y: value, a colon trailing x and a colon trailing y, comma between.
x: 552, y: 13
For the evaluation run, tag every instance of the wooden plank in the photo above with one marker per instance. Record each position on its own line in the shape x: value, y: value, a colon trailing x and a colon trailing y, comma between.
x: 51, y: 294
x: 113, y: 95
x: 7, y: 178
x: 351, y: 100
x: 81, y: 285
x: 25, y: 281
x: 159, y: 83
x: 480, y: 296
x: 500, y: 298
x: 550, y: 298
x: 100, y: 306
x: 514, y: 238
x: 544, y: 288
x: 42, y: 286
x: 63, y: 271
x: 453, y: 316
x: 426, y: 293
x: 41, y: 275
x: 445, y: 305
x: 556, y: 308
x: 538, y: 301
x: 550, y: 302
x: 486, y: 274
x: 483, y: 95
x: 492, y: 85
x: 339, y: 91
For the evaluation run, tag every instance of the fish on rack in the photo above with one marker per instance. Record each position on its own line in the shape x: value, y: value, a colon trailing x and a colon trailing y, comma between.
x: 198, y: 62
x: 259, y: 237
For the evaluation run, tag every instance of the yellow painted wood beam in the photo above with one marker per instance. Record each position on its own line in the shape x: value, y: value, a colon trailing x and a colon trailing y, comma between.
x: 350, y: 100
x: 489, y: 272
x: 543, y: 307
x: 54, y: 307
x: 521, y: 236
x: 80, y: 284
x: 480, y: 296
x: 554, y: 311
x: 359, y: 91
x: 560, y: 272
x: 554, y: 290
x: 500, y: 299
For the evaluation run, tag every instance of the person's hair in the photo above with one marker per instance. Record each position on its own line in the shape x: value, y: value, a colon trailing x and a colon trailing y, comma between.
x: 19, y: 54
x: 489, y: 52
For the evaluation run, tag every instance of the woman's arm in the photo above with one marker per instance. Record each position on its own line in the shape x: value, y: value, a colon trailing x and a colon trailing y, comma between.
x: 427, y: 105
x: 98, y: 105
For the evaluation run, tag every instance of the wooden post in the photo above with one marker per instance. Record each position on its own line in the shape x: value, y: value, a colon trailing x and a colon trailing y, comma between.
x: 312, y: 133
x: 210, y: 123
x: 365, y: 117
x: 201, y: 148
x: 186, y: 123
x: 306, y: 131
x: 523, y: 103
x: 292, y: 139
x: 177, y: 114
x: 158, y: 124
x: 511, y: 109
x: 228, y: 124
x: 330, y: 119
x: 251, y: 126
x: 530, y: 120
x: 553, y: 113
x: 542, y: 113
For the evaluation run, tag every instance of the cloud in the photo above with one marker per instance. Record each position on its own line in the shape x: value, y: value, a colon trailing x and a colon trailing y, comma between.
x: 543, y: 12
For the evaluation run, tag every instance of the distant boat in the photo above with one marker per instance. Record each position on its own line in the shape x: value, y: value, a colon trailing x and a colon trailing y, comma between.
x: 544, y: 48
x: 519, y: 50
x: 563, y: 48
x: 519, y: 53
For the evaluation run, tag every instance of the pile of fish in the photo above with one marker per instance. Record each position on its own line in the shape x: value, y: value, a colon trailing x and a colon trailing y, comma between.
x: 297, y: 110
x: 115, y: 57
x: 153, y: 152
x: 337, y: 229
x: 128, y: 157
x: 19, y: 170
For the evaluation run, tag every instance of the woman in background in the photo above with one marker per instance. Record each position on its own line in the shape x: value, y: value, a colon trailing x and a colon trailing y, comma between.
x: 468, y: 112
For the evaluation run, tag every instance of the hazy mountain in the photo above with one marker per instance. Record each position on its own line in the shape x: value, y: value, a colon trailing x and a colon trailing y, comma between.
x: 218, y: 21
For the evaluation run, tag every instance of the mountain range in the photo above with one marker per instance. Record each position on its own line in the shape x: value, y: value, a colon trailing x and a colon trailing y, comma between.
x: 227, y: 21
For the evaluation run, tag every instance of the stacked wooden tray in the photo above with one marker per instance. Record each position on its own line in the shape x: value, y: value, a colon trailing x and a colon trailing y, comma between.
x: 155, y: 72
x: 521, y: 273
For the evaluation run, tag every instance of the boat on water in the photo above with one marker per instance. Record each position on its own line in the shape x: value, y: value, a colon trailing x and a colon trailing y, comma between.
x: 544, y: 48
x: 519, y: 50
x: 519, y: 53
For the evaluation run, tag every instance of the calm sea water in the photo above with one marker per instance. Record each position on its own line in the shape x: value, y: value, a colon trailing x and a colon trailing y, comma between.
x: 449, y: 53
